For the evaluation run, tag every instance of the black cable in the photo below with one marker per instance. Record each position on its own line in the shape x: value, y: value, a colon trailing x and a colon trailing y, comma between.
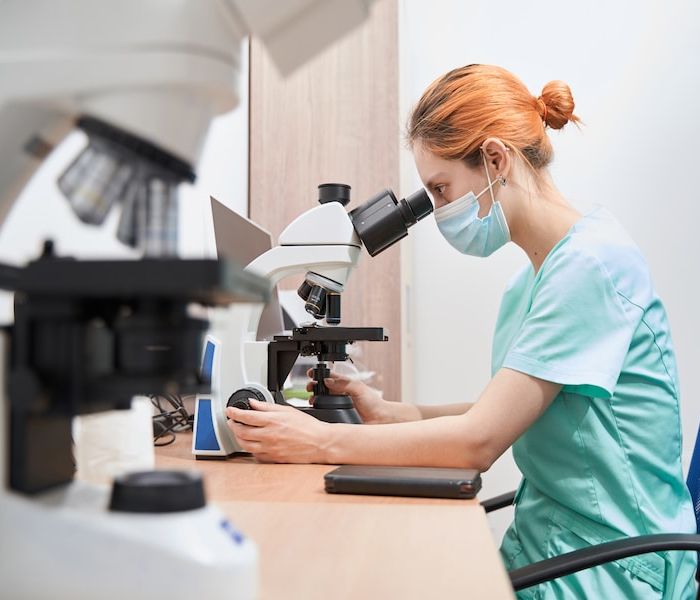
x: 170, y: 419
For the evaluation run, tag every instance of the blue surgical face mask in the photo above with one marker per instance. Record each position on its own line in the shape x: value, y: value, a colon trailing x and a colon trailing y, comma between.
x: 461, y: 226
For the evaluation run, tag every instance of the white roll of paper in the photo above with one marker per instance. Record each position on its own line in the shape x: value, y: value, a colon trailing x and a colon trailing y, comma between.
x: 112, y: 443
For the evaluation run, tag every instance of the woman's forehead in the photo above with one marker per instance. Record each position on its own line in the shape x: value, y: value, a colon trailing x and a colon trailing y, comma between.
x: 432, y: 167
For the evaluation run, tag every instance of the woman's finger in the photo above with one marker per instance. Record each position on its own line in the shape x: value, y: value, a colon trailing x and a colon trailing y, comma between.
x: 264, y: 457
x: 253, y: 418
x: 245, y: 432
x: 340, y: 384
x: 251, y: 446
x: 269, y: 407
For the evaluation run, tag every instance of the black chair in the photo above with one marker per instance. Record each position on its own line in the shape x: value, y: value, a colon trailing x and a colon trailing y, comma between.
x: 585, y: 558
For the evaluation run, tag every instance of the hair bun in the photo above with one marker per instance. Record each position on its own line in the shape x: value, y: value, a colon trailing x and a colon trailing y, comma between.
x: 556, y: 105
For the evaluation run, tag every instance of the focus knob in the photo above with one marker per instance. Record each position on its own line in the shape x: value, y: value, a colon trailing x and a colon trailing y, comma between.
x: 240, y: 398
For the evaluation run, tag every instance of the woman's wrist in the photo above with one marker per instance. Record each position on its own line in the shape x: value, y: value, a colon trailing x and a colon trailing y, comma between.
x: 332, y: 447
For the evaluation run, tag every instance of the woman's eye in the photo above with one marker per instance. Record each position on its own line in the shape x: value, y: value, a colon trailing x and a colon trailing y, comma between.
x: 440, y: 189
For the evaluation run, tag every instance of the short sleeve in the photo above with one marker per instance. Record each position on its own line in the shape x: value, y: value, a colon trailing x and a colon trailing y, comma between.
x: 576, y: 331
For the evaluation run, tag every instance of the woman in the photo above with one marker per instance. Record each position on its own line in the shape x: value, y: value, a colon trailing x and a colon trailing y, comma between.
x: 584, y: 381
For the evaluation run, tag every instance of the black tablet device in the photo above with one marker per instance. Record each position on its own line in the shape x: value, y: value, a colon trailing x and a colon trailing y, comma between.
x: 428, y: 482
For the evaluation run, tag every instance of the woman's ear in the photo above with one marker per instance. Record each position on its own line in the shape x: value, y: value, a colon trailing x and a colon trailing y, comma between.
x: 498, y: 157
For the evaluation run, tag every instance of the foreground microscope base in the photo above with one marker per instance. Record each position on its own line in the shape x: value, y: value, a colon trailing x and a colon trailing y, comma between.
x: 70, y: 541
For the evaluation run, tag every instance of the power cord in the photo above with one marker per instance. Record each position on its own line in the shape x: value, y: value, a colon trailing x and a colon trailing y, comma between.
x: 171, y: 418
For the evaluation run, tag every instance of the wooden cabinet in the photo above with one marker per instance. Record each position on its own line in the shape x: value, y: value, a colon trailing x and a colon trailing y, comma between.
x: 335, y: 119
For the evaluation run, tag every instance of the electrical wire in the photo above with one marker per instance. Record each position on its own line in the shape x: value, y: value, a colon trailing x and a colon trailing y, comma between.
x: 170, y: 419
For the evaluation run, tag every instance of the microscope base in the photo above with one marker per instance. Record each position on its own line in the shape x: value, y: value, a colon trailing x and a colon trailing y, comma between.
x: 211, y: 439
x: 334, y: 415
x: 66, y: 544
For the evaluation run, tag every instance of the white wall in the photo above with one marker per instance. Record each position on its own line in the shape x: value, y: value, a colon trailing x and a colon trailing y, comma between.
x: 42, y: 212
x: 634, y: 70
x: 222, y: 173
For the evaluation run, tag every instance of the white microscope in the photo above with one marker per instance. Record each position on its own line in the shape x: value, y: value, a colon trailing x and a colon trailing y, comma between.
x: 324, y: 243
x: 143, y: 79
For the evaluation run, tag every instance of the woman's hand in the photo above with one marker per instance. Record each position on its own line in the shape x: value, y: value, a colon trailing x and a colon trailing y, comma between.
x: 368, y: 401
x: 278, y: 433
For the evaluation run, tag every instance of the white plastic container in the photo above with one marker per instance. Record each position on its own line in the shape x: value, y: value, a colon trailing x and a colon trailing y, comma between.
x: 112, y: 443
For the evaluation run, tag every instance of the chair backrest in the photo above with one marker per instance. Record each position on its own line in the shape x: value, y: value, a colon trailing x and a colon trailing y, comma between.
x: 694, y: 479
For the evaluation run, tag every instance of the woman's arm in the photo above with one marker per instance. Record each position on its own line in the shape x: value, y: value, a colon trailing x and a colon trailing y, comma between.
x: 374, y: 409
x: 403, y: 412
x: 442, y: 410
x: 511, y: 402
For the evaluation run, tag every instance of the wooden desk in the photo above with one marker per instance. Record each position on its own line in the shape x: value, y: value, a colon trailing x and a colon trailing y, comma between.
x: 317, y: 545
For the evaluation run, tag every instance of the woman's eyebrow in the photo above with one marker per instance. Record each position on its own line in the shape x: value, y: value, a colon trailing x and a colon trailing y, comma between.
x: 434, y: 178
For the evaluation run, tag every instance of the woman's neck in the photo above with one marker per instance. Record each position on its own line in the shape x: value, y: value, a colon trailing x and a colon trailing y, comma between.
x: 542, y: 220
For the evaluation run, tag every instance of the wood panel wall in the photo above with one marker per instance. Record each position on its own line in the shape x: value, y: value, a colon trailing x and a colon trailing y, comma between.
x: 335, y: 119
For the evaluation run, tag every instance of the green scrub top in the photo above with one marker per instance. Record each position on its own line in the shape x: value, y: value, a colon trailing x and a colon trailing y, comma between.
x: 604, y: 460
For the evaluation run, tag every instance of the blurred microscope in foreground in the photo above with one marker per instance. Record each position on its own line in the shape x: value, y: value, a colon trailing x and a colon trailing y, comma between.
x: 143, y: 79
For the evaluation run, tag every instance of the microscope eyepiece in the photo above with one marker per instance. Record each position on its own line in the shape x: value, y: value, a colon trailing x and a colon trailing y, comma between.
x: 419, y: 203
x: 383, y: 220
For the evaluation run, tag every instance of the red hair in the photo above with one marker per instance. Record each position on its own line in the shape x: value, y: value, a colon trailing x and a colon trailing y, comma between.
x: 466, y: 106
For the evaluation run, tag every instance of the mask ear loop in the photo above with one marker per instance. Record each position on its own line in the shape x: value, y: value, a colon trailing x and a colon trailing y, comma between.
x: 488, y: 177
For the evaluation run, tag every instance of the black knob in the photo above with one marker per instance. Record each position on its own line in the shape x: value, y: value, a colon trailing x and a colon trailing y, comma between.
x: 157, y: 492
x: 243, y: 404
x: 49, y: 249
x: 241, y: 398
x: 334, y: 192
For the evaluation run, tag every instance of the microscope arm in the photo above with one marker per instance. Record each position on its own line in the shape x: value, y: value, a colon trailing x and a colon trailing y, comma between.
x: 157, y: 82
x: 321, y: 240
x: 334, y: 262
x: 28, y: 134
x: 157, y: 70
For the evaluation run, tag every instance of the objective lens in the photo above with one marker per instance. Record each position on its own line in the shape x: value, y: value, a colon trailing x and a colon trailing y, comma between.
x: 304, y: 290
x: 93, y: 182
x: 333, y: 309
x: 119, y: 167
x: 158, y: 219
x: 316, y: 302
